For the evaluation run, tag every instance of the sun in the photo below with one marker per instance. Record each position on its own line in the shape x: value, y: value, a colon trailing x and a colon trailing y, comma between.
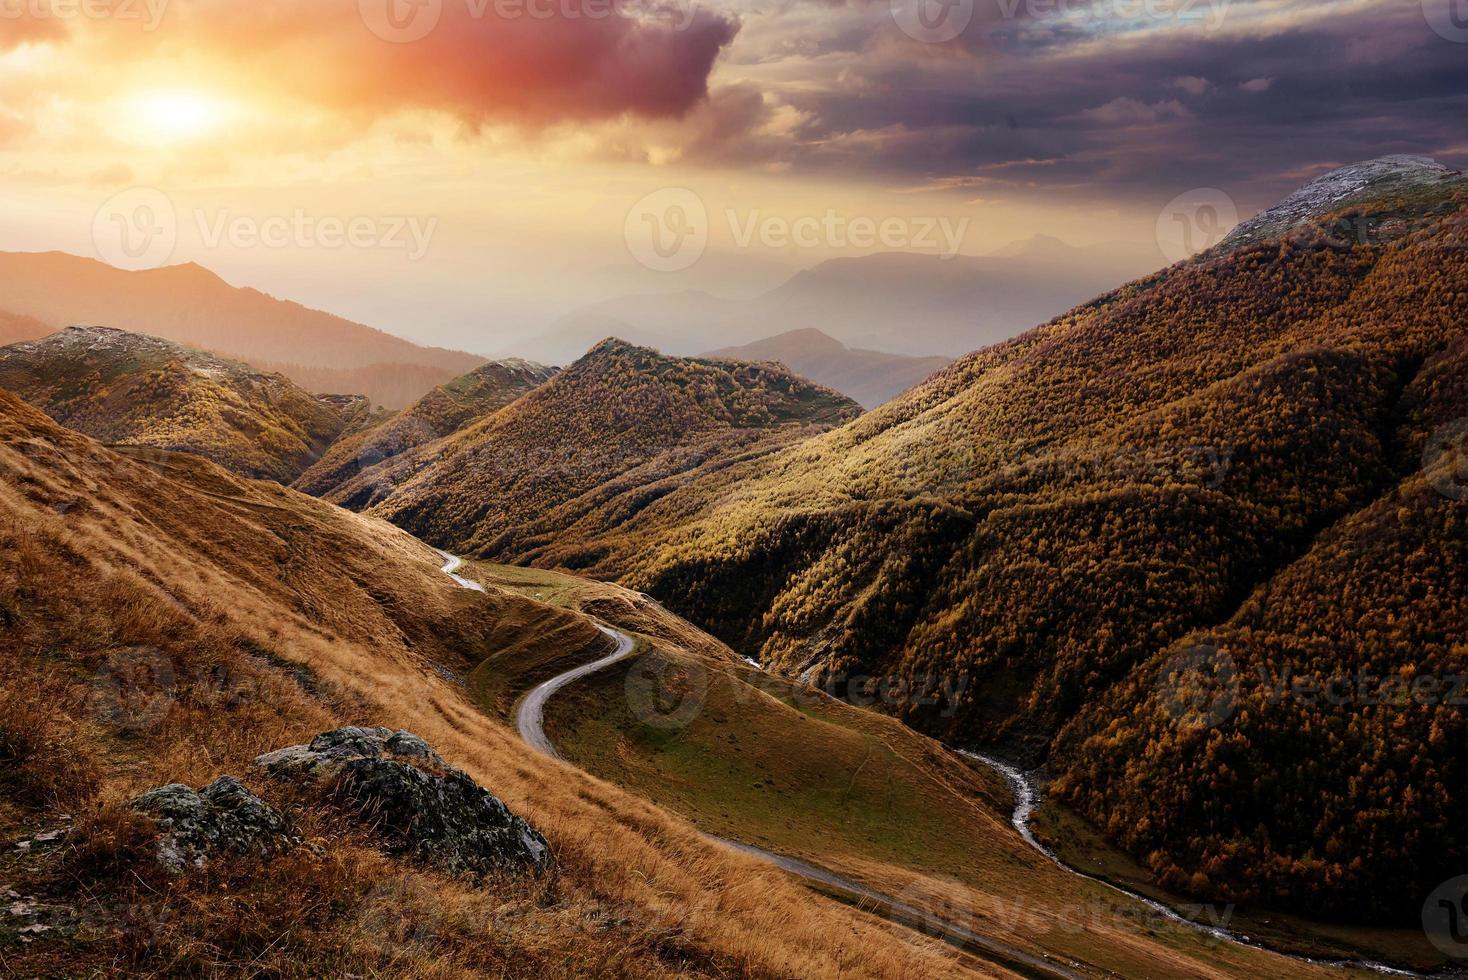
x: 176, y: 116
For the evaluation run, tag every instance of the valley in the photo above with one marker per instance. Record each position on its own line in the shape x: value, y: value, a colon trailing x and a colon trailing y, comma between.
x: 988, y: 675
x: 265, y: 616
x: 841, y: 797
x: 733, y: 491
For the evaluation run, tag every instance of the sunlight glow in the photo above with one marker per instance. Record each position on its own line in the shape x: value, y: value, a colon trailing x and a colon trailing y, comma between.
x: 177, y: 116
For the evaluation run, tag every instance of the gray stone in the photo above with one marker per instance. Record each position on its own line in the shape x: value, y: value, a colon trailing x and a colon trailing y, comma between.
x: 1338, y: 189
x: 411, y: 746
x: 222, y: 818
x: 418, y: 803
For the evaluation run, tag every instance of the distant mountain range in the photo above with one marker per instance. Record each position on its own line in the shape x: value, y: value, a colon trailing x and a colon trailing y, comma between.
x: 897, y: 303
x: 913, y: 306
x: 126, y: 388
x: 868, y: 377
x: 190, y: 305
x: 15, y: 328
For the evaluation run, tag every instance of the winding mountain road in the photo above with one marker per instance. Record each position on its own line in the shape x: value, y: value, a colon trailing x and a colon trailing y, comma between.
x: 530, y: 723
x: 451, y: 566
x: 530, y: 719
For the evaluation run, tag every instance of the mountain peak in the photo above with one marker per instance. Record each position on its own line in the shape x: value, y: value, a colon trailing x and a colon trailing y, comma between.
x: 97, y: 337
x: 811, y: 338
x: 128, y: 388
x: 614, y: 347
x: 1035, y: 245
x: 1356, y: 183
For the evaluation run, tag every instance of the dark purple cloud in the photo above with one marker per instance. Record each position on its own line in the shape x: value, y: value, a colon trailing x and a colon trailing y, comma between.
x: 1142, y: 107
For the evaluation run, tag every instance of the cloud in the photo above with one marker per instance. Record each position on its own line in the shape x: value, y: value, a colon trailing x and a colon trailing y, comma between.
x: 1131, y: 112
x: 1121, y: 107
x: 535, y: 62
x: 20, y: 26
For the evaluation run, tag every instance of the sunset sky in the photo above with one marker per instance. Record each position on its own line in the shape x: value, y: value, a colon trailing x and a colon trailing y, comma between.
x: 464, y: 171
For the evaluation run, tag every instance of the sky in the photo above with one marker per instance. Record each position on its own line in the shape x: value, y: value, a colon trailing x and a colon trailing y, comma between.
x: 463, y: 172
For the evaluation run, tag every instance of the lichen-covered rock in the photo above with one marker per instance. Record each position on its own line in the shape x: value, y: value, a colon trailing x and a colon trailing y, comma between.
x: 419, y: 803
x: 328, y: 751
x: 222, y: 818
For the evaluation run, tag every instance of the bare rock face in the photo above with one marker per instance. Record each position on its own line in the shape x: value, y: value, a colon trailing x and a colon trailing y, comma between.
x: 222, y: 818
x: 419, y: 803
x: 1379, y: 178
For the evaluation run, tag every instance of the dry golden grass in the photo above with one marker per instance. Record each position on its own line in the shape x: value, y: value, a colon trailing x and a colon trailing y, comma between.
x: 219, y: 619
x: 202, y: 619
x: 42, y: 759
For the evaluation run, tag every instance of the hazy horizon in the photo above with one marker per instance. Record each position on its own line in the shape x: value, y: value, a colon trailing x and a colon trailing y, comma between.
x: 463, y: 175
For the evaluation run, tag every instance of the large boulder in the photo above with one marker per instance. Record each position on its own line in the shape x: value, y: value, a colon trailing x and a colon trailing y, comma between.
x: 422, y: 805
x: 222, y: 818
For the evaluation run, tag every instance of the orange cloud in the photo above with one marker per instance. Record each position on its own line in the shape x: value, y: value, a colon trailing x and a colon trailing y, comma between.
x: 534, y: 62
x: 23, y: 27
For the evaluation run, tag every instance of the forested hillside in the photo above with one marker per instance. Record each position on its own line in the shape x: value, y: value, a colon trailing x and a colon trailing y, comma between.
x: 1229, y: 453
x: 371, y: 462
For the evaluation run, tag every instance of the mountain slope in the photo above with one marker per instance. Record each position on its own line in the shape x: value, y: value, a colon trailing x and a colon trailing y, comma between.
x: 165, y: 622
x: 870, y: 378
x: 1056, y: 516
x: 123, y: 387
x: 191, y: 305
x: 597, y: 443
x: 357, y: 467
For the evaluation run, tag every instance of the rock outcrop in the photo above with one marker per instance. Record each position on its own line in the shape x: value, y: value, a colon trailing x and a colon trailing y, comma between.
x: 417, y: 801
x: 222, y: 818
x: 1358, y: 182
